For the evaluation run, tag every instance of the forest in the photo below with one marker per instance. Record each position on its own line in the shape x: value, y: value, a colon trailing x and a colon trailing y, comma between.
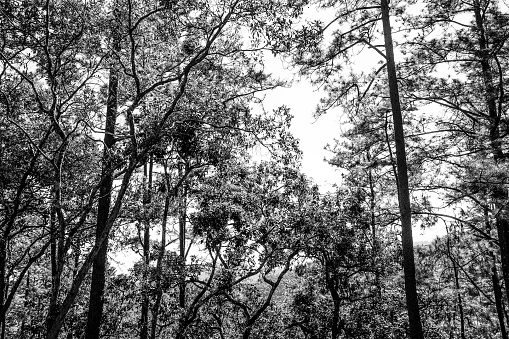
x: 146, y: 191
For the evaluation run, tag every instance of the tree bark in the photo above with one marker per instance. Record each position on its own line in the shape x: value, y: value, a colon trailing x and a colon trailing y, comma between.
x: 332, y: 287
x: 372, y: 219
x: 57, y: 229
x: 182, y: 215
x: 147, y: 199
x: 182, y: 237
x: 457, y: 284
x: 497, y: 292
x: 23, y: 326
x: 502, y: 231
x: 460, y: 301
x: 403, y: 191
x: 55, y: 276
x: 498, y: 301
x: 96, y: 302
x: 499, y: 193
x: 162, y: 251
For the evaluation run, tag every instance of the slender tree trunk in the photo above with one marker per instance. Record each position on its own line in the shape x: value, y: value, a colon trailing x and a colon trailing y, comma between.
x: 147, y: 199
x: 457, y: 284
x: 182, y: 249
x: 498, y: 301
x: 3, y: 261
x: 3, y: 283
x: 162, y: 251
x: 332, y: 287
x: 182, y: 201
x: 57, y: 229
x: 335, y: 320
x: 25, y: 305
x: 77, y: 255
x: 460, y: 302
x: 497, y: 292
x: 404, y: 195
x: 499, y: 192
x: 375, y: 244
x: 490, y: 94
x: 55, y: 274
x: 96, y: 303
x: 503, y: 239
x: 182, y: 239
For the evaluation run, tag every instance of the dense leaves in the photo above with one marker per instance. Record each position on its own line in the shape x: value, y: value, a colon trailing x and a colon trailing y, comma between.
x: 135, y: 131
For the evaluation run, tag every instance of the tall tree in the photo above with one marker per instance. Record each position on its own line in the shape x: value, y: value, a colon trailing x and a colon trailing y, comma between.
x: 96, y: 303
x: 207, y: 32
x: 182, y: 216
x: 321, y: 63
x: 55, y: 83
x: 148, y: 170
x: 464, y: 74
x: 403, y: 191
x: 168, y: 198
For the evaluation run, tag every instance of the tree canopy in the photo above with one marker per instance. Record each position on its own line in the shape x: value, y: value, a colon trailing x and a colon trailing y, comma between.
x: 146, y: 191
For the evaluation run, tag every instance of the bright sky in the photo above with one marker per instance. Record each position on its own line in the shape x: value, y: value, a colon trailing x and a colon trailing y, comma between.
x: 314, y: 134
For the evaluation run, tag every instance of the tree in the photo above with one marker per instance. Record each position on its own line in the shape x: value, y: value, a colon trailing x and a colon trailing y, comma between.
x: 361, y: 21
x: 256, y: 230
x: 43, y: 62
x: 95, y: 308
x: 471, y: 93
x: 144, y: 79
x: 46, y: 49
x: 403, y: 191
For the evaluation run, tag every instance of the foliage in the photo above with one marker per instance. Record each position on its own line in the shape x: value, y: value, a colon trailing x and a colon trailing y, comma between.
x: 219, y: 243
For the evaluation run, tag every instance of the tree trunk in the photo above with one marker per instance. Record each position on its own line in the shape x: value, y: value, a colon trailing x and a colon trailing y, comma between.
x: 3, y: 261
x: 502, y: 231
x: 162, y: 250
x: 460, y: 302
x: 57, y: 229
x: 25, y: 305
x: 331, y: 283
x: 457, y: 284
x: 375, y: 244
x: 182, y: 205
x: 96, y: 303
x: 182, y: 238
x: 498, y: 301
x: 499, y: 193
x: 403, y: 191
x: 147, y: 198
x: 55, y: 273
x: 496, y: 282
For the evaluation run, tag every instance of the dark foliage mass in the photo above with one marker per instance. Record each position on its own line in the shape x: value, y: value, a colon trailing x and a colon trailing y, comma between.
x: 146, y: 192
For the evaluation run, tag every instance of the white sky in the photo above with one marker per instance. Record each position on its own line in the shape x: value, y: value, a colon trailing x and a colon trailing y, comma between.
x: 313, y: 134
